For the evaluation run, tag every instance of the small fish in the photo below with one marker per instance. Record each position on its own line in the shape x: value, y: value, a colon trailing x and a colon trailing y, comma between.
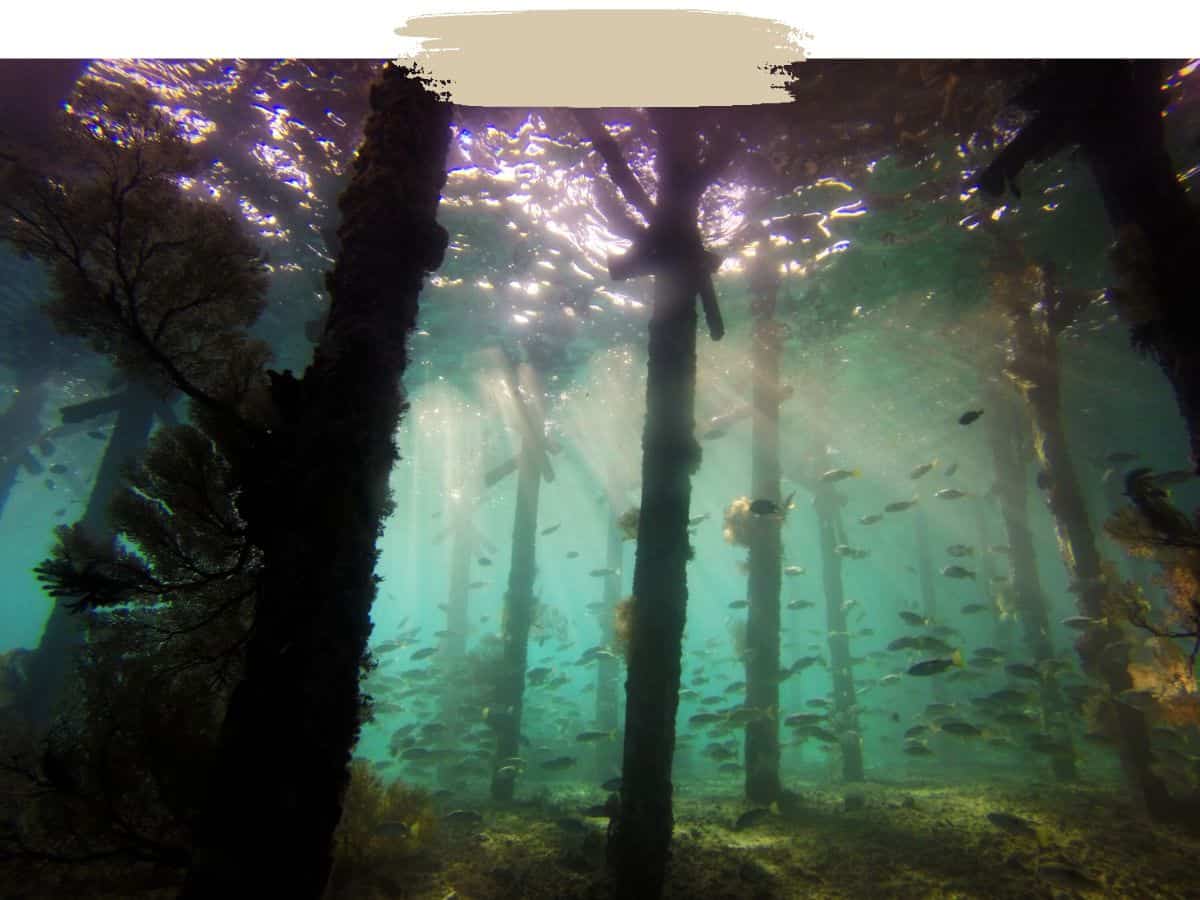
x: 613, y: 784
x: 971, y: 608
x: 704, y: 719
x: 900, y: 505
x: 1118, y: 457
x: 751, y: 817
x: 392, y: 830
x: 1021, y: 670
x: 950, y: 470
x: 870, y: 519
x: 969, y: 416
x: 484, y: 561
x: 97, y: 435
x: 793, y: 570
x: 847, y: 552
x: 593, y: 737
x: 840, y: 475
x: 1138, y: 699
x: 1068, y: 877
x: 572, y: 554
x: 763, y: 507
x: 916, y: 748
x: 600, y: 573
x: 797, y: 719
x: 738, y: 604
x: 58, y: 469
x: 934, y: 666
x: 558, y: 763
x: 1012, y: 824
x: 462, y: 817
x: 891, y: 679
x: 551, y: 529
x: 916, y: 731
x: 1000, y: 549
x: 912, y: 618
x: 960, y: 550
x: 800, y: 604
x: 960, y: 728
x: 424, y: 653
x: 476, y: 584
x: 922, y: 469
x: 50, y: 485
x: 950, y: 494
x: 958, y: 572
x: 1083, y: 623
x: 1163, y: 479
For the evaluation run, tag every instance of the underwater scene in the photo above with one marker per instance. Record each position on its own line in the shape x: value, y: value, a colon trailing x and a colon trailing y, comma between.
x: 407, y: 500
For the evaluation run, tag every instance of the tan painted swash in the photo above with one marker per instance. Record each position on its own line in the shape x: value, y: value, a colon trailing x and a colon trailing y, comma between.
x: 605, y: 58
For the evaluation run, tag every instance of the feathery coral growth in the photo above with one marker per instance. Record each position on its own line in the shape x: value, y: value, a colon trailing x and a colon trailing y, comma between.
x: 162, y: 282
x: 737, y: 522
x: 382, y: 827
x: 623, y: 624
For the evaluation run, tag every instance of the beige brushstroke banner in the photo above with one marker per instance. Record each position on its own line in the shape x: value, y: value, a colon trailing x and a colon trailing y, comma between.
x: 606, y: 58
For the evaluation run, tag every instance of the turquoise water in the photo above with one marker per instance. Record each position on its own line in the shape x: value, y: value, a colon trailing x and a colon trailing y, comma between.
x: 884, y: 300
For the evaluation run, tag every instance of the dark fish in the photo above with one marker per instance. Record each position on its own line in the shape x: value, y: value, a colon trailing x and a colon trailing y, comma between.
x: 1067, y: 877
x: 391, y: 829
x: 972, y: 608
x: 476, y: 584
x: 1021, y: 670
x: 960, y: 728
x: 613, y: 784
x: 751, y: 817
x: 916, y: 748
x: 1043, y: 480
x: 50, y: 485
x: 484, y: 561
x: 59, y: 513
x: 951, y: 469
x: 424, y: 653
x: 600, y: 573
x: 934, y: 666
x: 591, y: 737
x: 559, y: 763
x: 463, y: 817
x: 870, y: 519
x: 46, y: 447
x: 922, y: 469
x: 572, y: 825
x: 58, y: 469
x: 551, y: 529
x: 958, y: 572
x: 572, y: 554
x: 800, y: 604
x: 738, y: 604
x: 762, y: 507
x: 900, y: 505
x: 969, y: 416
x: 911, y: 618
x: 960, y: 550
x: 1012, y: 824
x: 1117, y: 457
x: 97, y: 435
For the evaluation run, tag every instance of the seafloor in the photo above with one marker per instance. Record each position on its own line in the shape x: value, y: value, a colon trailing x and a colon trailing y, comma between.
x: 869, y: 840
